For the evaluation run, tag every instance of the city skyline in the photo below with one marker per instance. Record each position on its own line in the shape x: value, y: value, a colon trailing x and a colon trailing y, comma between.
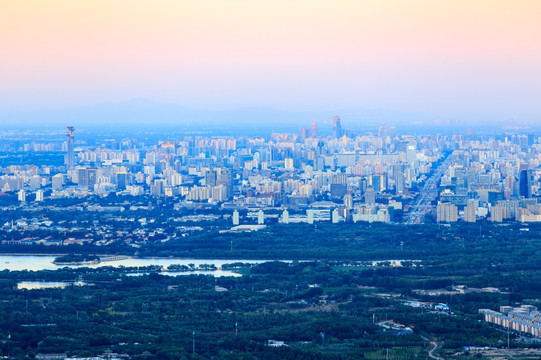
x: 241, y: 179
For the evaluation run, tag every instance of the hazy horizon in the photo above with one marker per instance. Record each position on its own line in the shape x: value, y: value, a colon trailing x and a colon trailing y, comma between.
x: 147, y: 114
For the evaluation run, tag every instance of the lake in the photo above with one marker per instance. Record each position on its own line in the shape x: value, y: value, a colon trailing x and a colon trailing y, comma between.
x: 31, y: 285
x: 45, y: 262
x: 215, y: 273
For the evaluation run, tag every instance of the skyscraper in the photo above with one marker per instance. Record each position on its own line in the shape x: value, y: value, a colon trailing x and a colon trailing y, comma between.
x: 525, y: 184
x: 211, y: 178
x: 121, y: 180
x: 70, y: 157
x: 226, y: 178
x: 314, y: 129
x: 399, y: 178
x: 303, y: 133
x: 383, y: 131
x: 87, y: 177
x: 336, y: 127
x: 348, y: 202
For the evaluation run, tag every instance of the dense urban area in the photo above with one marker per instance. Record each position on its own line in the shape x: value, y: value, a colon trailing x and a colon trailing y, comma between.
x: 321, y: 244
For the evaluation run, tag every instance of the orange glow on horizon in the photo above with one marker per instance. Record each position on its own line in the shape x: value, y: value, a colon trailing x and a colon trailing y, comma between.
x: 183, y: 51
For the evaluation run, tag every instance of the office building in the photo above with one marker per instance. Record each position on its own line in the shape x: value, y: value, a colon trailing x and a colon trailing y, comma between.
x: 525, y: 184
x: 336, y: 127
x: 121, y: 180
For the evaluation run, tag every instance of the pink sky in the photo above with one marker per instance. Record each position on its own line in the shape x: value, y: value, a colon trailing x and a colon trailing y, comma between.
x: 463, y: 57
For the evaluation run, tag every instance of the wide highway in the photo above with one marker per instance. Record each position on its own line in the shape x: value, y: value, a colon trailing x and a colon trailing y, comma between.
x: 427, y: 194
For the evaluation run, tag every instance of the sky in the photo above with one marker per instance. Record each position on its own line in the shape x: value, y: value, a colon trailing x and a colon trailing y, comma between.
x: 456, y: 59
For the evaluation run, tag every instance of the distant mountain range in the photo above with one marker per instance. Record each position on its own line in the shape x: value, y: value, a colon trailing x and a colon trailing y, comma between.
x: 145, y: 112
x: 146, y: 115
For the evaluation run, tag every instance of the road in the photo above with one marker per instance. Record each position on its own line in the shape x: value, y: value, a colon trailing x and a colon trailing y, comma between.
x: 435, y: 346
x: 427, y: 194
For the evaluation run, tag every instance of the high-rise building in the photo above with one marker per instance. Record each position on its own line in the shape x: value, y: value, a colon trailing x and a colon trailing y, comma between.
x: 21, y: 195
x: 211, y: 178
x: 378, y: 182
x: 335, y: 218
x: 121, y: 180
x: 157, y: 189
x: 392, y: 131
x: 285, y: 217
x: 57, y: 181
x: 314, y: 129
x: 411, y: 152
x: 363, y: 185
x: 446, y: 212
x: 399, y: 178
x: 39, y: 195
x: 497, y: 213
x: 236, y: 218
x: 260, y: 217
x: 336, y: 127
x: 370, y: 196
x: 303, y: 133
x: 525, y: 184
x: 383, y: 131
x: 87, y: 177
x: 35, y: 182
x: 288, y: 164
x: 469, y: 213
x: 226, y: 178
x: 70, y: 158
x: 348, y: 202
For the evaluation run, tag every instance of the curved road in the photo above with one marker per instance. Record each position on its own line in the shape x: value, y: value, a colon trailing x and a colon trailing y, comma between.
x: 431, y: 351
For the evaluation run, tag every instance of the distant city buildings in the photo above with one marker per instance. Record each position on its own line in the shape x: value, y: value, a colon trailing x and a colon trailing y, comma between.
x: 446, y: 212
x: 339, y: 176
x: 336, y: 128
x: 21, y: 195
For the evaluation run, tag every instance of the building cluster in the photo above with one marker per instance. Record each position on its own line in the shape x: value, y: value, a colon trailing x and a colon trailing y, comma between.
x: 428, y: 305
x: 341, y: 177
x: 111, y: 228
x: 107, y: 355
x: 497, y: 179
x: 455, y: 290
x: 525, y: 319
